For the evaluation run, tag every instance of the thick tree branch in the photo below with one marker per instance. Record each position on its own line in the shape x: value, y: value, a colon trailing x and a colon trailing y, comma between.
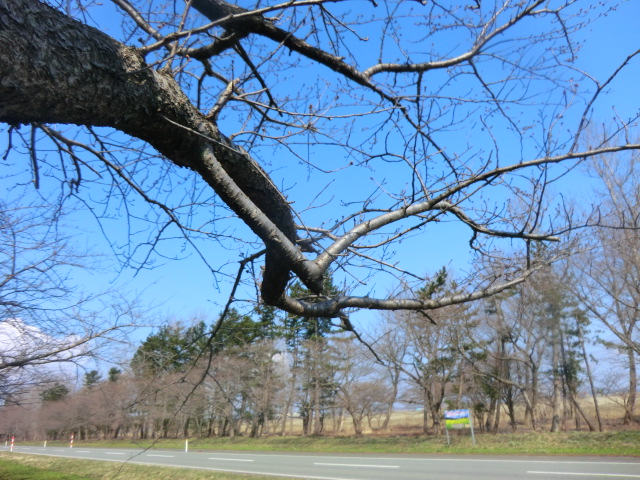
x: 333, y: 307
x: 219, y: 10
x: 57, y: 70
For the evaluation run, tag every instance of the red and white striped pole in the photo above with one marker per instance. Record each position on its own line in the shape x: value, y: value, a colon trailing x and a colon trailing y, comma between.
x: 71, y: 441
x: 12, y: 440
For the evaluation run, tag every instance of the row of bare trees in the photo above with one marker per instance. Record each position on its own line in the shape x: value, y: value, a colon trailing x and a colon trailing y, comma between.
x: 49, y: 321
x: 521, y: 360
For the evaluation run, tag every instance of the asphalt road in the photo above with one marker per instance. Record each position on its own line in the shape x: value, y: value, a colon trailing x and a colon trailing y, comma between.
x: 365, y: 467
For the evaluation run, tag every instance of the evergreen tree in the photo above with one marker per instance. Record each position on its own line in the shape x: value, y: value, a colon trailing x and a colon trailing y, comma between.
x: 91, y: 378
x: 306, y: 339
x: 55, y: 393
x: 114, y: 374
x: 237, y: 330
x: 172, y: 349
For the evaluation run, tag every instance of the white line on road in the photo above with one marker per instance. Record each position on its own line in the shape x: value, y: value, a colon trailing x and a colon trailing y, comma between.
x: 496, y: 460
x: 617, y: 475
x: 231, y: 459
x: 114, y: 453
x: 355, y: 465
x: 158, y: 455
x: 456, y: 459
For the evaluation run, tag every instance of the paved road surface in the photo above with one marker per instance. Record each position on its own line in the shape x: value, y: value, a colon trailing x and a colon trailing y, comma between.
x: 367, y: 467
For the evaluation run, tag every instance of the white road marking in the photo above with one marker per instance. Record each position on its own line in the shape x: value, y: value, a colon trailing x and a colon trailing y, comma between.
x: 114, y: 453
x: 158, y: 455
x: 355, y: 465
x: 231, y: 459
x: 558, y: 462
x: 457, y: 460
x: 617, y: 475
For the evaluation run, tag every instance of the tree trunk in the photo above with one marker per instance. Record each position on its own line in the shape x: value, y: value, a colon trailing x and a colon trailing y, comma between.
x: 340, y: 424
x: 630, y: 404
x: 531, y: 409
x: 317, y: 427
x: 285, y: 415
x: 556, y: 399
x: 534, y: 396
x: 394, y: 395
x: 589, y: 375
x: 292, y: 391
x: 496, y: 423
x: 357, y: 424
x: 185, y: 429
x: 512, y: 411
x: 435, y: 414
x: 503, y: 371
x: 577, y: 406
x: 491, y: 411
x: 425, y: 411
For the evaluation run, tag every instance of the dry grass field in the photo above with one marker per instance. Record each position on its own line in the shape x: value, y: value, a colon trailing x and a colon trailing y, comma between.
x: 409, y: 422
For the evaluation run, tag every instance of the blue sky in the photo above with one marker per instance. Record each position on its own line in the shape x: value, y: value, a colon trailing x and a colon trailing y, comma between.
x: 184, y: 288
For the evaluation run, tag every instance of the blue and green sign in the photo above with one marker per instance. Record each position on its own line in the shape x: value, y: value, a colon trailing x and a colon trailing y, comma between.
x: 458, y: 419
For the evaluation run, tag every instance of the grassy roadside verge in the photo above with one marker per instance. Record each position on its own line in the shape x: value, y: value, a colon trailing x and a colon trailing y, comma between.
x: 31, y: 467
x: 17, y: 466
x: 570, y: 443
x: 625, y: 443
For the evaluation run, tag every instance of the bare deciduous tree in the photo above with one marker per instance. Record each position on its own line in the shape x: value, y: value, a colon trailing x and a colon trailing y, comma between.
x: 360, y: 384
x: 44, y: 319
x: 420, y: 113
x: 610, y: 271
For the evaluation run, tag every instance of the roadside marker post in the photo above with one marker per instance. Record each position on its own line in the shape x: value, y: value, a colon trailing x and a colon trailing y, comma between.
x: 12, y: 440
x: 186, y: 446
x: 71, y: 441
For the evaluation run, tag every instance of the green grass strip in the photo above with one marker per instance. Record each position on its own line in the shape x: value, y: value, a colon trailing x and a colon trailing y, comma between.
x: 18, y: 466
x: 624, y: 443
x: 11, y: 470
